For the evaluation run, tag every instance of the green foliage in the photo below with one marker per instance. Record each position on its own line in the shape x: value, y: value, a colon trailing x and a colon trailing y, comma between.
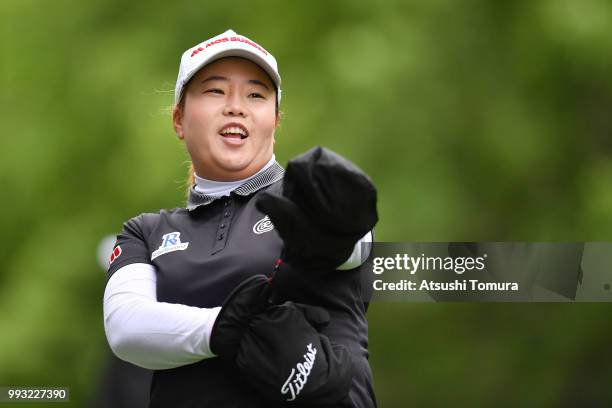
x: 477, y: 120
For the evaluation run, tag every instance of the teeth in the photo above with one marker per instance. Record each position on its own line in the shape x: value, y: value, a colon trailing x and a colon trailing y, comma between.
x: 235, y: 130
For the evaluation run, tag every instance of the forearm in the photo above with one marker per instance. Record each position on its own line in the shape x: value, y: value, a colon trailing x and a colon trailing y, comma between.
x: 152, y: 334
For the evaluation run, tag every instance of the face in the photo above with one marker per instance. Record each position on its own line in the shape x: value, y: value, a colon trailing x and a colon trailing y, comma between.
x: 228, y: 119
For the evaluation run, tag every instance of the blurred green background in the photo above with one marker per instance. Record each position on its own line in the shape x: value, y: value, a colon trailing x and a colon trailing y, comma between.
x: 477, y: 120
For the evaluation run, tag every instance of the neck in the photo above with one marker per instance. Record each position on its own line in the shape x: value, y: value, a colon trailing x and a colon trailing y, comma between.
x: 221, y: 188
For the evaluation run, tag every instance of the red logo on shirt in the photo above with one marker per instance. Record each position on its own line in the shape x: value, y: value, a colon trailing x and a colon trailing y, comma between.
x: 115, y: 254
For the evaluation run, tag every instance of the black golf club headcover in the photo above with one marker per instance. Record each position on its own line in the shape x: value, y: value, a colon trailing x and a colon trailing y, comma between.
x: 326, y: 206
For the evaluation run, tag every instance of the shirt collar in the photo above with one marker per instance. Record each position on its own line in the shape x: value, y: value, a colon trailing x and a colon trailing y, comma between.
x: 223, y: 188
x: 270, y: 175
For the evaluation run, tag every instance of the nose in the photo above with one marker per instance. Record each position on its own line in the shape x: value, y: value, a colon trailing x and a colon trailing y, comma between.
x: 234, y: 106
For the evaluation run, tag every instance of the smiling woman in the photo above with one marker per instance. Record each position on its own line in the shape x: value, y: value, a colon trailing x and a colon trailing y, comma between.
x: 188, y: 293
x: 227, y: 116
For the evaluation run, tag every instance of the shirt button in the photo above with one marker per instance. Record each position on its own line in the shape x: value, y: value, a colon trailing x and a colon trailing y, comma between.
x: 222, y: 226
x: 226, y: 214
x: 220, y: 237
x: 225, y: 203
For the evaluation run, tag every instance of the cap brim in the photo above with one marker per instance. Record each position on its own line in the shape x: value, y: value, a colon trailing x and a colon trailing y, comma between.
x: 236, y: 52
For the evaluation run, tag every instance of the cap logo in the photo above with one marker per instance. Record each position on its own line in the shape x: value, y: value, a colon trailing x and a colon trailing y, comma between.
x: 226, y: 39
x: 196, y: 51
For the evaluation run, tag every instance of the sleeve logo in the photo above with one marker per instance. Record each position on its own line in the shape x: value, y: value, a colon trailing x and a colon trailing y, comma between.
x: 114, y: 255
x: 170, y: 242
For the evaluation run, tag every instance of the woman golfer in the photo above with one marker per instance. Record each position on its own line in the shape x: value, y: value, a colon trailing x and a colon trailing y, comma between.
x: 253, y: 295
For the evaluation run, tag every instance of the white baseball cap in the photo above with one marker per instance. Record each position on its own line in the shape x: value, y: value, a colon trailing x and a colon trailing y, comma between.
x: 228, y: 44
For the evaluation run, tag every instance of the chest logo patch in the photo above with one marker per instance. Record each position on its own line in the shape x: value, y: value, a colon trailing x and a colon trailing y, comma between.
x: 263, y: 225
x: 170, y: 242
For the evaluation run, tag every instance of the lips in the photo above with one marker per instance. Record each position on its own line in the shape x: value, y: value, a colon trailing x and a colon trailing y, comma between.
x: 234, y: 131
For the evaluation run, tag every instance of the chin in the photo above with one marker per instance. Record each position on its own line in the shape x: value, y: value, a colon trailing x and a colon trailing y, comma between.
x: 234, y: 164
x: 234, y: 161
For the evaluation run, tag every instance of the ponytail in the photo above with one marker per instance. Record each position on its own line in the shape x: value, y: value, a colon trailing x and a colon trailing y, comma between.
x: 190, y: 177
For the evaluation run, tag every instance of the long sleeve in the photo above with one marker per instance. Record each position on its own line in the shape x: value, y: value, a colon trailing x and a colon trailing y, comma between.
x: 152, y: 334
x: 158, y: 335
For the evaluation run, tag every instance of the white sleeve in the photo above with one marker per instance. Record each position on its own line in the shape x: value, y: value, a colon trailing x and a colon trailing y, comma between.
x: 151, y: 334
x: 360, y: 253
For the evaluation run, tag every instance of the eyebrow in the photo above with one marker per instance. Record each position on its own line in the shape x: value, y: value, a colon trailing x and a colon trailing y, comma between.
x: 222, y: 78
x: 258, y: 82
x: 214, y: 78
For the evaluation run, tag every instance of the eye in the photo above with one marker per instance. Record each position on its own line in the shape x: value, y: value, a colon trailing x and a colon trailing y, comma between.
x: 214, y: 90
x: 256, y: 95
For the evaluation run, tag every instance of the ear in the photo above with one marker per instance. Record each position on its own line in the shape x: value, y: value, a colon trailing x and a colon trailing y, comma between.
x: 177, y: 121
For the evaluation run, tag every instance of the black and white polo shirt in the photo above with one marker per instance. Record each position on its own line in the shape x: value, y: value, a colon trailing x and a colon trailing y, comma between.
x: 202, y: 252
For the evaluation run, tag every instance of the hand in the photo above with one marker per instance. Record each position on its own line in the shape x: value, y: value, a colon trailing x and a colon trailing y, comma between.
x: 285, y: 358
x: 245, y: 301
x: 326, y: 206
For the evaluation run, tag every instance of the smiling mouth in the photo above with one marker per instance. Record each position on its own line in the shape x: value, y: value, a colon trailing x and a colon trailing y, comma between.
x: 234, y: 132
